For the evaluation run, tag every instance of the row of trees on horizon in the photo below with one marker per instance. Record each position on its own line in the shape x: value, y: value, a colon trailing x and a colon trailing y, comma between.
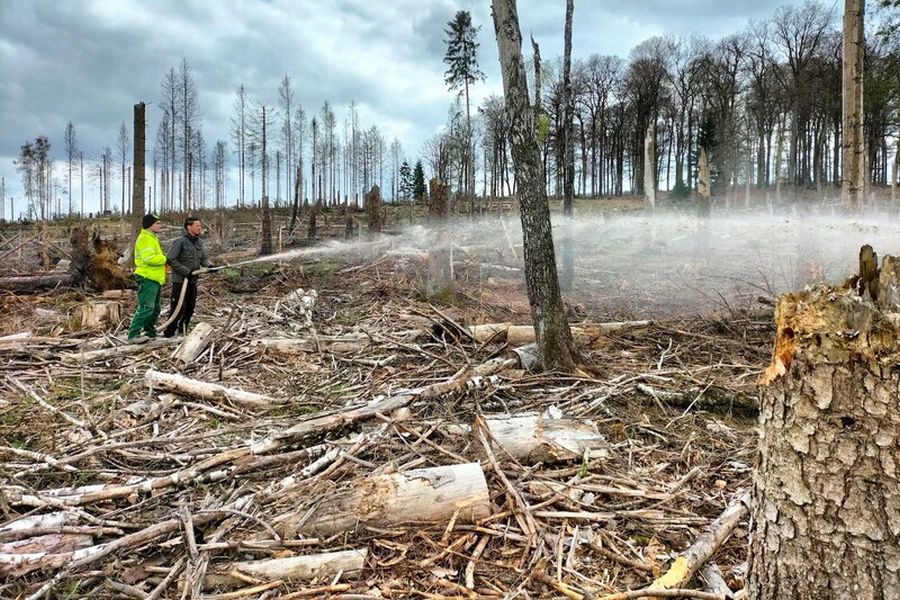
x: 766, y: 101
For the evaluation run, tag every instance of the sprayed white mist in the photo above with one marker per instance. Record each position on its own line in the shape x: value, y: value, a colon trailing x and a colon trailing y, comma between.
x: 651, y: 264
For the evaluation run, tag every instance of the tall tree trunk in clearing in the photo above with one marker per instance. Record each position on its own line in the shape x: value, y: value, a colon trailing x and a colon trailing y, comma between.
x: 439, y: 283
x: 139, y: 180
x: 853, y: 144
x: 703, y: 184
x: 650, y: 165
x: 894, y: 173
x: 826, y: 506
x: 265, y: 247
x: 554, y: 337
x: 567, y: 245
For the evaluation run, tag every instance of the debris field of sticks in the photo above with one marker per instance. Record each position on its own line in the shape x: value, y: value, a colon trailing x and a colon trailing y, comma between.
x: 325, y: 432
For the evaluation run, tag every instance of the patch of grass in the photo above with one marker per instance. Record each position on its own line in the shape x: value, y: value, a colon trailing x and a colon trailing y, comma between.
x: 68, y: 388
x: 349, y: 317
x: 322, y: 267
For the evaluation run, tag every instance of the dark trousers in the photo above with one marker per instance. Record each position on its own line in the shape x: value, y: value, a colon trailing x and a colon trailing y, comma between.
x: 144, y: 319
x: 183, y: 319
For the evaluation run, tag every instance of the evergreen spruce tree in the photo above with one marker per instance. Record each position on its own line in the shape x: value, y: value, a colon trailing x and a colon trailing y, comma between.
x: 419, y: 188
x: 462, y: 63
x: 406, y: 181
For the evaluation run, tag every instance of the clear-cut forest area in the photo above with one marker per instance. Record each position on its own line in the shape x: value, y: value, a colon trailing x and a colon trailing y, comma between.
x: 626, y: 327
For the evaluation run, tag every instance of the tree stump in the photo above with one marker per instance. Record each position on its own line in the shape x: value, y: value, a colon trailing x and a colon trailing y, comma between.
x: 98, y: 315
x: 373, y: 209
x: 826, y: 495
x: 439, y: 283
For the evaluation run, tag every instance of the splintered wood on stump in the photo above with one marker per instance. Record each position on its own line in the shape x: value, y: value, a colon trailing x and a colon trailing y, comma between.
x: 440, y: 258
x: 826, y: 495
x: 424, y: 496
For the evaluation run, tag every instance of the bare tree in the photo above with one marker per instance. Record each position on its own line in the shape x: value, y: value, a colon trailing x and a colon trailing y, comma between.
x: 239, y: 138
x: 190, y: 115
x: 123, y: 145
x: 853, y: 147
x: 219, y: 167
x: 286, y: 108
x: 71, y: 143
x: 554, y: 338
x: 171, y: 120
x: 137, y: 202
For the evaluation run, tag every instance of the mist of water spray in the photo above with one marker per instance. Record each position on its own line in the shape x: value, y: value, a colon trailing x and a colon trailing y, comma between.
x: 648, y: 264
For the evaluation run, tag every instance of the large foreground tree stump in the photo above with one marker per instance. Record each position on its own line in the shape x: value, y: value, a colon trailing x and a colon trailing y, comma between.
x: 826, y: 497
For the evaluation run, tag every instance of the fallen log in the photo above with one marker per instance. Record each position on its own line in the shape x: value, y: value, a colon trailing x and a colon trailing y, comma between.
x: 687, y: 563
x: 36, y: 283
x: 520, y: 335
x: 179, y: 384
x: 423, y: 496
x: 124, y: 350
x: 534, y: 438
x: 326, y: 566
x: 194, y: 344
x: 351, y: 342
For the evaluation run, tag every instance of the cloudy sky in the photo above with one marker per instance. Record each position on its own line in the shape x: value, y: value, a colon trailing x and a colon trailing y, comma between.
x: 90, y: 61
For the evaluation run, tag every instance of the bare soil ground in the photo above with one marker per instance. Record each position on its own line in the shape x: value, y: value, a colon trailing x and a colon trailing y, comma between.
x: 90, y: 444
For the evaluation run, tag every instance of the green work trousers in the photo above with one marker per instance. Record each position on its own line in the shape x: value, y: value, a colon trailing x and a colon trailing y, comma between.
x: 149, y: 293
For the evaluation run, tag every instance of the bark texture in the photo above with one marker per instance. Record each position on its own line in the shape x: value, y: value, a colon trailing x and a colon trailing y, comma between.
x: 826, y: 509
x: 439, y: 283
x: 548, y: 314
x: 138, y: 178
x: 650, y: 165
x: 853, y: 143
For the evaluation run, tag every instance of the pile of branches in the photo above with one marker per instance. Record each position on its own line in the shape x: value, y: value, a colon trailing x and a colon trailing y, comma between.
x: 357, y: 443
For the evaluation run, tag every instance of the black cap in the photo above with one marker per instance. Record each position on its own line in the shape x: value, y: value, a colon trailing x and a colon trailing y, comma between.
x: 148, y: 220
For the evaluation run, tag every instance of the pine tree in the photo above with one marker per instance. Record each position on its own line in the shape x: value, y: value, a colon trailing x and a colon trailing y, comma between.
x: 419, y: 188
x: 406, y: 181
x: 462, y: 60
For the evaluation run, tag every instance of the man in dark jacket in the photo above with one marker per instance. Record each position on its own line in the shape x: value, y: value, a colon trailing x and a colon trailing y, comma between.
x: 186, y: 256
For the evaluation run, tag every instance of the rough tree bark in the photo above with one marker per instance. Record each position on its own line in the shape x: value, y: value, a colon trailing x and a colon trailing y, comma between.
x: 374, y: 212
x: 853, y: 143
x: 703, y: 183
x: 439, y: 283
x: 568, y: 246
x: 138, y: 180
x: 826, y: 495
x: 553, y: 335
x: 650, y: 165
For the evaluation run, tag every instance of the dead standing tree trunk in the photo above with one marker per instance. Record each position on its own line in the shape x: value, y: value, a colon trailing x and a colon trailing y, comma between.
x: 440, y: 258
x: 650, y: 165
x: 374, y: 210
x: 138, y: 180
x: 826, y: 495
x: 853, y: 144
x: 567, y: 245
x: 554, y: 338
x: 703, y: 185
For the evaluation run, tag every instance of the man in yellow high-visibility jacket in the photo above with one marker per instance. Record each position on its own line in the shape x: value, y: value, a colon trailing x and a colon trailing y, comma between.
x: 150, y: 273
